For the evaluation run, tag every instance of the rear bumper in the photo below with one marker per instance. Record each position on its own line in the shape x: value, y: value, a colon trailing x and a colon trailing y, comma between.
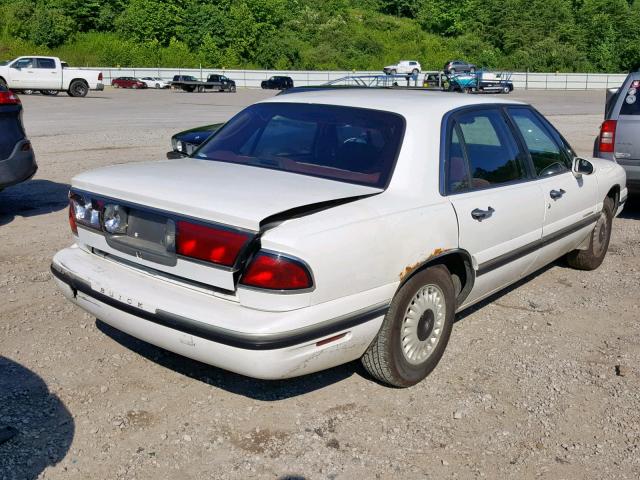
x: 20, y: 166
x: 196, y: 324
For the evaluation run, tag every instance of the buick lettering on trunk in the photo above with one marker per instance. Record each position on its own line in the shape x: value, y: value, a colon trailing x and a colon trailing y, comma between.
x: 331, y: 225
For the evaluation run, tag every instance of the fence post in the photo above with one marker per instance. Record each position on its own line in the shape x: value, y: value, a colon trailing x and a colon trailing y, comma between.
x: 526, y: 80
x: 586, y: 82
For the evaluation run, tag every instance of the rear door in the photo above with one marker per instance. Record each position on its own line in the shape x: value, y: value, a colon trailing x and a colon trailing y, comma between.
x: 47, y: 76
x: 570, y: 201
x: 499, y: 207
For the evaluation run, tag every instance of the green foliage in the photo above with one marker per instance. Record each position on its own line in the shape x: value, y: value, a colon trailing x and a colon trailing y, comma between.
x: 551, y: 35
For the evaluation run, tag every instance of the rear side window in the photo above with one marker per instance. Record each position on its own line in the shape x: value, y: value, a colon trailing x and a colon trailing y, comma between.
x: 631, y: 102
x: 546, y: 155
x: 47, y: 63
x: 484, y: 142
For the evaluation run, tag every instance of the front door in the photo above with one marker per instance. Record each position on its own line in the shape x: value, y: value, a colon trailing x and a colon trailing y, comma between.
x: 570, y: 201
x: 499, y: 207
x: 23, y: 74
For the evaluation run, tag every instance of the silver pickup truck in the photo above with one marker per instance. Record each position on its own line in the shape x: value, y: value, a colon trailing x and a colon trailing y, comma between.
x: 619, y: 137
x: 48, y: 74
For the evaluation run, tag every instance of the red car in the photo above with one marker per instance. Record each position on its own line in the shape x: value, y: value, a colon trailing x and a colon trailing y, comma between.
x: 127, y: 82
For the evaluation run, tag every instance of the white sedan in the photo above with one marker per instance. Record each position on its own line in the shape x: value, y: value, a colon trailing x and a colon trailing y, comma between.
x: 155, y: 82
x: 324, y: 226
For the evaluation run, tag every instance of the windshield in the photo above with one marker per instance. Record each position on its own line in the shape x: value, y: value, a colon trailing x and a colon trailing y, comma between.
x: 347, y: 144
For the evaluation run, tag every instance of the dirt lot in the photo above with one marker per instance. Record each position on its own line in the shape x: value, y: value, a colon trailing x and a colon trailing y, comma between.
x: 539, y: 382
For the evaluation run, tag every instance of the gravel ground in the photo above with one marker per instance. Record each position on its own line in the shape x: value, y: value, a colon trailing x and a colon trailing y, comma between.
x: 539, y: 382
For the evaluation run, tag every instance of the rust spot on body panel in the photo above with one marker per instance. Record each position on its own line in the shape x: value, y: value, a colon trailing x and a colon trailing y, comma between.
x: 410, y: 268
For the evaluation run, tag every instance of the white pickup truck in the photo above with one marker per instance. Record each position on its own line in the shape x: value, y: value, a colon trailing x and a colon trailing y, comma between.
x: 49, y: 74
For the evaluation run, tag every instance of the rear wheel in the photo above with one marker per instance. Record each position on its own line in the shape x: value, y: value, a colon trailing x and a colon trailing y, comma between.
x: 506, y: 90
x: 593, y: 256
x: 157, y: 85
x: 232, y: 89
x: 415, y: 331
x: 415, y: 72
x: 78, y: 88
x: 3, y: 83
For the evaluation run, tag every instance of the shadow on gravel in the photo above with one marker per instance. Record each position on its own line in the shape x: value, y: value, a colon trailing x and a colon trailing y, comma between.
x: 264, y: 390
x: 631, y: 209
x: 31, y: 198
x: 36, y: 429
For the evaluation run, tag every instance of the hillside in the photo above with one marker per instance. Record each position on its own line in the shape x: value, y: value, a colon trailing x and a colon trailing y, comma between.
x: 541, y: 35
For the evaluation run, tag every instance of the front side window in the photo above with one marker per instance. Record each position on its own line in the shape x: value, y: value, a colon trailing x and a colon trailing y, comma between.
x: 23, y: 63
x: 346, y: 144
x: 489, y: 148
x: 546, y: 155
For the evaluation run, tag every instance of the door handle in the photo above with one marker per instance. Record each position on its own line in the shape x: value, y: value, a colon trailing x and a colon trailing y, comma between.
x: 556, y: 194
x: 479, y: 214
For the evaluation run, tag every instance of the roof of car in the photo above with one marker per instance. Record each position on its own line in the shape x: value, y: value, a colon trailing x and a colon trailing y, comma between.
x: 392, y: 100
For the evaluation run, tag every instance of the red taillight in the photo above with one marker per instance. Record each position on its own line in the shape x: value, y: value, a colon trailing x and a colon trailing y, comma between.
x: 8, y: 98
x: 72, y: 219
x: 607, y: 136
x: 209, y: 243
x: 276, y: 272
x: 100, y: 77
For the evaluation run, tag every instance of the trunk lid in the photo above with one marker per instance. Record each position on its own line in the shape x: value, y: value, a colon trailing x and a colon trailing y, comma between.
x: 156, y: 195
x: 231, y: 194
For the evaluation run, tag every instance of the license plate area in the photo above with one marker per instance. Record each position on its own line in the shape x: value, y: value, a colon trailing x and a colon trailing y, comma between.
x: 149, y: 236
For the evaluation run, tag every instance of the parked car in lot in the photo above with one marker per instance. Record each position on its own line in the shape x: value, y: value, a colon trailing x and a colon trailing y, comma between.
x: 17, y: 160
x: 48, y: 74
x: 128, y: 82
x: 256, y: 254
x: 184, y: 143
x: 277, y: 82
x: 458, y: 66
x: 155, y: 82
x: 403, y: 67
x: 619, y: 137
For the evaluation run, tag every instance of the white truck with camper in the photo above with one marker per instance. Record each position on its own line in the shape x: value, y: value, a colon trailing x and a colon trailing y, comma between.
x: 47, y: 74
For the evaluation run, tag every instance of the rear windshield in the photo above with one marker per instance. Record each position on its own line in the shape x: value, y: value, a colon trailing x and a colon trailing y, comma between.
x: 347, y: 144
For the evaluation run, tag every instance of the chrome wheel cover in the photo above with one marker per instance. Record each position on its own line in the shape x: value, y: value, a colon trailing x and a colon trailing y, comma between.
x: 423, y: 324
x: 600, y: 233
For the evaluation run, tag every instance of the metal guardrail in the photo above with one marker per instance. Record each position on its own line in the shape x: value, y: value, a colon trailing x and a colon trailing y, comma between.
x: 252, y: 78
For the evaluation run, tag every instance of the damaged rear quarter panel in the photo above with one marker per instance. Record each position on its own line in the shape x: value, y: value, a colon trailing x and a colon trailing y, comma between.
x: 366, y: 244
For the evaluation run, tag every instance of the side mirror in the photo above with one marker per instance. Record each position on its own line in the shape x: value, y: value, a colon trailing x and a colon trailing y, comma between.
x: 173, y: 155
x: 582, y: 166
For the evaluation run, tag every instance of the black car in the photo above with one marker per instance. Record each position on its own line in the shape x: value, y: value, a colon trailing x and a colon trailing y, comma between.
x: 277, y: 83
x: 458, y: 66
x: 17, y: 160
x: 184, y: 143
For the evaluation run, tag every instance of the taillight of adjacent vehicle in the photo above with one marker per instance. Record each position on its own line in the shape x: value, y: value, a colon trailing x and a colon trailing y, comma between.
x: 100, y: 77
x: 9, y: 98
x: 211, y: 244
x: 607, y: 140
x: 272, y: 271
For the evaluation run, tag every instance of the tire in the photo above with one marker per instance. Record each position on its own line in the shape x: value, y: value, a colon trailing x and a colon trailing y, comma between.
x: 232, y: 89
x: 506, y: 90
x: 3, y: 83
x: 157, y: 85
x: 415, y: 72
x: 49, y: 93
x: 78, y: 88
x: 452, y: 71
x: 592, y: 257
x: 394, y: 71
x: 385, y: 359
